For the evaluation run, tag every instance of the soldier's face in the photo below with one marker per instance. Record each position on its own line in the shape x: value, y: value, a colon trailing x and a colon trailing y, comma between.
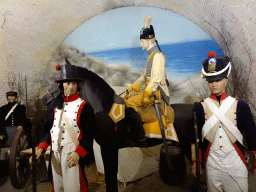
x: 70, y: 88
x: 218, y: 87
x: 144, y: 44
x: 11, y: 99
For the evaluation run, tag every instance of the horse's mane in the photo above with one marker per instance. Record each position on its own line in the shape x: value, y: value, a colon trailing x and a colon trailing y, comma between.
x: 95, y: 90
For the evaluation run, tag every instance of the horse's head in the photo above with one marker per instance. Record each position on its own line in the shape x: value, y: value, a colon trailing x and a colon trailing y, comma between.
x: 52, y: 93
x: 95, y: 90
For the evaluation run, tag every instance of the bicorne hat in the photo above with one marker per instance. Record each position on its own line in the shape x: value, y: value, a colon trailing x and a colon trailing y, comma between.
x: 11, y: 93
x: 147, y: 32
x: 68, y: 72
x: 216, y: 67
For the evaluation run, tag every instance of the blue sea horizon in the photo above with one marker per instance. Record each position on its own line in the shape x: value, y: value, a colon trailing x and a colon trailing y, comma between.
x: 183, y: 60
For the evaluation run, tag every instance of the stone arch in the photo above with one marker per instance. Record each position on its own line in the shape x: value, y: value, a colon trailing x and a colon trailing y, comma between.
x: 31, y: 31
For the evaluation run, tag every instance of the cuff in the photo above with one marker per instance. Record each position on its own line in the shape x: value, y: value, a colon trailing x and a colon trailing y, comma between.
x: 43, y: 146
x: 81, y: 151
x: 147, y: 92
x: 136, y: 87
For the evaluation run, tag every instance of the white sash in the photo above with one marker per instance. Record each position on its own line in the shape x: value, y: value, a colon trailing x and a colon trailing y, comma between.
x: 9, y: 113
x: 219, y: 115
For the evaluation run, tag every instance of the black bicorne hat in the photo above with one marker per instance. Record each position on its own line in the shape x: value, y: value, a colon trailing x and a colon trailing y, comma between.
x: 216, y: 67
x: 11, y: 93
x: 147, y: 32
x: 68, y: 72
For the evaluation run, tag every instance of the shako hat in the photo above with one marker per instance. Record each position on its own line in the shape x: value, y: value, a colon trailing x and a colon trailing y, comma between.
x: 147, y: 32
x: 216, y: 67
x: 11, y: 93
x: 68, y: 72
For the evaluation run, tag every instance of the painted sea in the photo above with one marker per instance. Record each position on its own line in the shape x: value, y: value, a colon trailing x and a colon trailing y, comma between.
x: 182, y: 59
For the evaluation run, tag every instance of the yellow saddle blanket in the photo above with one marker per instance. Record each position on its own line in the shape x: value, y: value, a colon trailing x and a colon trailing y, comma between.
x: 152, y: 130
x: 148, y: 114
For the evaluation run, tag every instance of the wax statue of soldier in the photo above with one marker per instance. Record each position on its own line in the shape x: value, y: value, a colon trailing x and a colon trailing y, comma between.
x: 69, y: 130
x: 12, y: 118
x: 224, y: 124
x: 154, y: 80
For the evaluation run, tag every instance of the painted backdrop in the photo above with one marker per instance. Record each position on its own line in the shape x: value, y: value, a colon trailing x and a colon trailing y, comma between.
x: 113, y: 38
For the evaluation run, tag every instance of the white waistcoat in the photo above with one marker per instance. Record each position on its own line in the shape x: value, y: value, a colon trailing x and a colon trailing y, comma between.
x: 66, y: 142
x: 221, y: 141
x: 214, y: 130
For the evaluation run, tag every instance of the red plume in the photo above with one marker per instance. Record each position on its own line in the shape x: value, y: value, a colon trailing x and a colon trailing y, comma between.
x: 211, y: 54
x: 57, y: 67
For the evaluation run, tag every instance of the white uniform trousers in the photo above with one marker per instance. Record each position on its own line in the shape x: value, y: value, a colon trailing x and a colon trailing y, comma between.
x: 68, y: 179
x: 226, y: 172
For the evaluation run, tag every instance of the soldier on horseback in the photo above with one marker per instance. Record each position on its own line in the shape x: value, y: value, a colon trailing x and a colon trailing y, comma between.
x: 152, y: 81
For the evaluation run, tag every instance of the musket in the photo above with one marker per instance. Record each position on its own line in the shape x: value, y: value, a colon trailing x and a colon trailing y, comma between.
x: 197, y: 154
x: 33, y: 134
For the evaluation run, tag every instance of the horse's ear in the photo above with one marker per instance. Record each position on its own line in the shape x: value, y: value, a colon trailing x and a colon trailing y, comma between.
x: 67, y: 61
x: 118, y: 99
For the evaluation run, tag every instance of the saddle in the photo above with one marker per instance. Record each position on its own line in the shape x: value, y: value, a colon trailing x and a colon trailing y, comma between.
x: 148, y: 114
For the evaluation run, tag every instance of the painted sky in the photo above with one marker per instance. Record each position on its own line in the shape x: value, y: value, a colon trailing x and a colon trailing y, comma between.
x: 120, y: 28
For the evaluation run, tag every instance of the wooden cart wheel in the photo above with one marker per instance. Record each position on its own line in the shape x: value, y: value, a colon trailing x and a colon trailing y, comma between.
x: 19, y: 164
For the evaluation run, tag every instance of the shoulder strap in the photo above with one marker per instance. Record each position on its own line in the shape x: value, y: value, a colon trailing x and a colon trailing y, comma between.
x: 9, y: 113
x: 220, y: 114
x: 70, y: 130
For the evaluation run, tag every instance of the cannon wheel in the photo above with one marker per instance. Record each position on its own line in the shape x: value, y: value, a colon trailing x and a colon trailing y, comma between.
x: 19, y: 164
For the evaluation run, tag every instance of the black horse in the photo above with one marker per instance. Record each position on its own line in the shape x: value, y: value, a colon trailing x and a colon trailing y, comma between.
x: 113, y: 136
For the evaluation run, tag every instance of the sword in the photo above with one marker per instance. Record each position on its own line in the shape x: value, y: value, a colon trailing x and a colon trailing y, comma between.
x: 162, y: 130
x: 165, y: 97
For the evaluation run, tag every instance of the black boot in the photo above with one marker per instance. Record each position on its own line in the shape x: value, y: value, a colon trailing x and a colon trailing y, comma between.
x: 134, y: 121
